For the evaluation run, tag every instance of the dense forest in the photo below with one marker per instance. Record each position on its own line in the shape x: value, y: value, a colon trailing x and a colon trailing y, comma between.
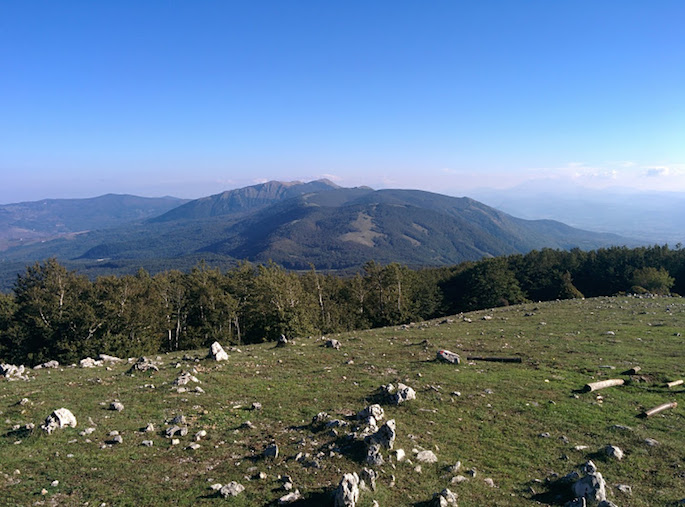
x: 54, y: 313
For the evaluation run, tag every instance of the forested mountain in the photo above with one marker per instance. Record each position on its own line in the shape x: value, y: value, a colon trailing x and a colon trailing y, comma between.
x: 300, y: 224
x: 27, y: 222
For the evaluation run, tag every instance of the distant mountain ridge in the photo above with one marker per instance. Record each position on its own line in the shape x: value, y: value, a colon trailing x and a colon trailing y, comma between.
x: 316, y: 223
x: 26, y: 222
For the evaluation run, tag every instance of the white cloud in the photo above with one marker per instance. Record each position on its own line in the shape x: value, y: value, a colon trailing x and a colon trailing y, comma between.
x: 655, y: 172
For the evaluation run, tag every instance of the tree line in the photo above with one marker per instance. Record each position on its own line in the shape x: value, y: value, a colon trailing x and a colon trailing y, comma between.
x: 54, y: 313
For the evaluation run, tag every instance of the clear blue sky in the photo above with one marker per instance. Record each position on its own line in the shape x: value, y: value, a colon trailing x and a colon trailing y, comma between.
x: 190, y: 98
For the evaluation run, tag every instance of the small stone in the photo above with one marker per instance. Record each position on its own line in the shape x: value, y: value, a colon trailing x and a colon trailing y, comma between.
x: 290, y: 498
x: 175, y: 441
x: 458, y: 479
x: 613, y: 452
x: 200, y: 435
x: 115, y: 405
x: 625, y: 489
x: 54, y: 484
x: 333, y: 344
x: 489, y: 482
x: 256, y: 406
x: 651, y: 442
x: 448, y: 357
x: 426, y: 457
x: 147, y: 443
x: 193, y: 447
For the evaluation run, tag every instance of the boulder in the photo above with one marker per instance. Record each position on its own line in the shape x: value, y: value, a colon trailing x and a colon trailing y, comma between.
x: 347, y: 492
x: 116, y: 405
x: 368, y: 477
x: 402, y: 394
x: 374, y: 456
x: 13, y: 372
x: 217, y: 352
x: 282, y: 341
x: 385, y: 436
x: 592, y: 487
x: 290, y: 498
x: 60, y: 418
x: 448, y: 357
x: 109, y: 359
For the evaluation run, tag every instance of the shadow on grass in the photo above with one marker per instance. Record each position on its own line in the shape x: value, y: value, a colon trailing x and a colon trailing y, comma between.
x: 312, y: 499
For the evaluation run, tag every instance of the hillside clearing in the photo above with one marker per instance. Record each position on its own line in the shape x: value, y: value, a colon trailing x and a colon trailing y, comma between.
x: 517, y: 424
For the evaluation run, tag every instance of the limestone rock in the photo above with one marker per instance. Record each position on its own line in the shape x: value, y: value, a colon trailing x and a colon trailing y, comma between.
x: 369, y: 476
x: 426, y: 457
x: 375, y: 411
x: 448, y: 357
x: 385, y: 436
x: 403, y: 393
x: 374, y: 456
x: 175, y: 430
x: 347, y: 492
x: 333, y: 344
x: 13, y: 372
x: 282, y: 341
x: 89, y: 362
x: 49, y: 364
x: 60, y: 418
x: 116, y: 405
x: 143, y: 364
x: 592, y: 487
x: 444, y: 499
x: 613, y: 452
x: 233, y: 488
x: 290, y: 498
x: 217, y: 352
x: 109, y: 359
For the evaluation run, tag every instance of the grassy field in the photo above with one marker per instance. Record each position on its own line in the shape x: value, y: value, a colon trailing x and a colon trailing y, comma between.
x: 516, y: 423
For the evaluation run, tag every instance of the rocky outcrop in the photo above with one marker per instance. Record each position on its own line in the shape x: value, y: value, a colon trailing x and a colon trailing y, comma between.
x: 217, y: 352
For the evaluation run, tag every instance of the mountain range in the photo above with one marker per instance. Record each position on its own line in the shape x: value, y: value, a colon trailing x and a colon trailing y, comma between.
x: 294, y: 224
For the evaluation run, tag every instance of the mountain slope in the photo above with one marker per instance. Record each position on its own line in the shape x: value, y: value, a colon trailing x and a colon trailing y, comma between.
x: 32, y: 221
x: 332, y: 228
x: 244, y: 200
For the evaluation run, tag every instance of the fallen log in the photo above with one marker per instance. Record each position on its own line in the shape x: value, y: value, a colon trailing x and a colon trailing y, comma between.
x: 659, y: 408
x: 632, y: 371
x: 674, y: 383
x: 495, y: 359
x: 596, y: 386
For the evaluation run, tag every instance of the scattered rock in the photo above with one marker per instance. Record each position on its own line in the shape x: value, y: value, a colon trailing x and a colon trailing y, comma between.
x: 200, y: 435
x: 231, y: 489
x: 178, y: 419
x: 333, y: 344
x: 385, y: 436
x: 172, y: 431
x: 374, y: 456
x: 193, y: 447
x: 60, y: 418
x: 613, y: 452
x: 347, y: 492
x: 109, y: 359
x: 217, y: 352
x: 369, y: 476
x: 12, y: 372
x: 426, y: 457
x: 282, y: 341
x: 403, y: 393
x: 147, y: 443
x: 448, y: 357
x: 49, y: 364
x: 143, y: 364
x: 489, y: 482
x: 185, y: 378
x: 116, y: 405
x: 375, y: 411
x: 592, y: 487
x: 399, y: 455
x: 625, y: 489
x: 149, y: 428
x: 256, y: 406
x: 444, y: 499
x: 651, y: 442
x: 116, y: 439
x: 89, y: 362
x: 290, y: 498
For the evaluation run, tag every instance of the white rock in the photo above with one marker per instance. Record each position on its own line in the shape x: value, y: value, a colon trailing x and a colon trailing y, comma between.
x: 217, y: 352
x: 426, y: 457
x: 60, y: 418
x: 347, y: 492
x: 233, y: 488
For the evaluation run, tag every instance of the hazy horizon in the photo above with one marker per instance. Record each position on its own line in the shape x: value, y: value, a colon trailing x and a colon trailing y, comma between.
x: 188, y: 100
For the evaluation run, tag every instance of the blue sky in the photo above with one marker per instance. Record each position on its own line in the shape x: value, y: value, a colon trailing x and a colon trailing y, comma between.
x: 193, y: 98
